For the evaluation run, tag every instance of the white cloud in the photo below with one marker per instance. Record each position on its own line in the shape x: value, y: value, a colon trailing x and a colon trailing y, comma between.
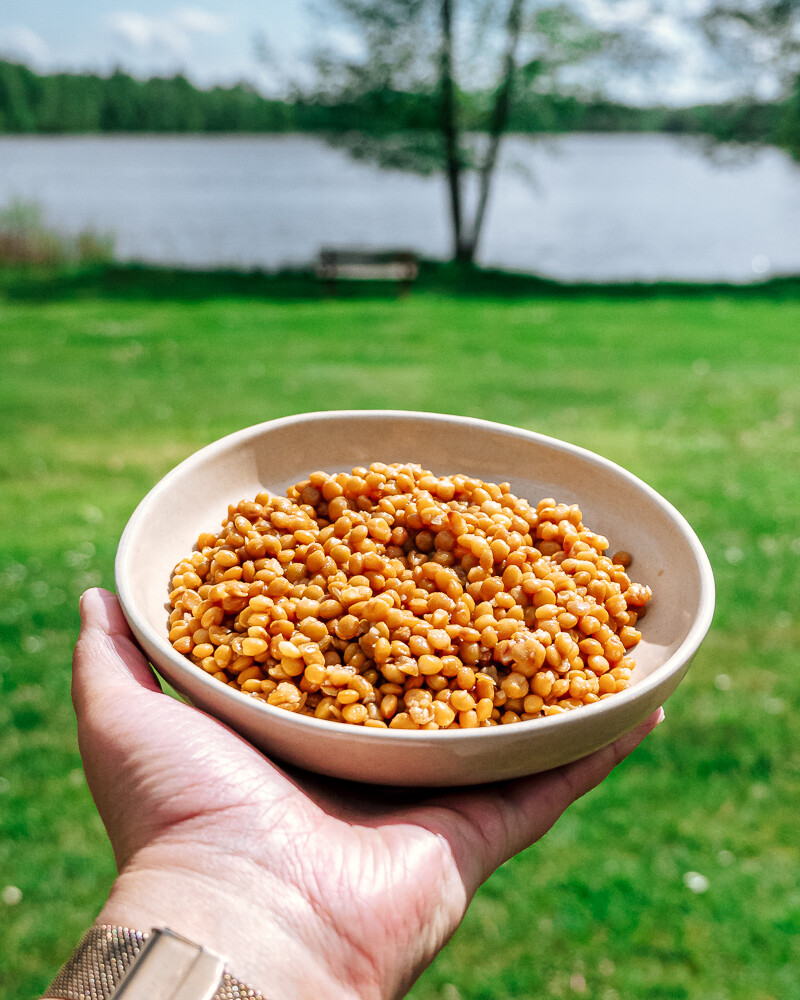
x: 348, y: 43
x: 21, y: 43
x: 671, y: 33
x: 140, y: 32
x: 170, y: 34
x: 201, y: 22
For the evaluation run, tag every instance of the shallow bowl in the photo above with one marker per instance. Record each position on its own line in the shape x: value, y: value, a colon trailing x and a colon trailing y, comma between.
x: 194, y: 497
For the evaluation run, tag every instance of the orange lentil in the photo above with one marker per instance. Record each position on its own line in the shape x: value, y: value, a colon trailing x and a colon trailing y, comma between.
x: 394, y: 597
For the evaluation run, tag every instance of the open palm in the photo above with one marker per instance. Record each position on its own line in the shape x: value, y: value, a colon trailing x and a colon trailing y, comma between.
x: 310, y: 887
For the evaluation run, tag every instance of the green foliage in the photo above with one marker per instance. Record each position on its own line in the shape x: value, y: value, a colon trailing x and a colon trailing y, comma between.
x: 392, y: 127
x: 737, y: 121
x: 402, y: 47
x: 20, y: 91
x: 756, y: 41
x: 69, y: 103
x: 699, y: 396
x: 789, y: 126
x: 745, y: 121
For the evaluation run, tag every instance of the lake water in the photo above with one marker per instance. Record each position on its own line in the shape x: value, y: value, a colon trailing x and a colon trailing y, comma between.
x: 591, y: 207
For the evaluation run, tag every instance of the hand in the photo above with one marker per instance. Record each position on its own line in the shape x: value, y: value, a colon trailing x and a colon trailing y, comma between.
x: 309, y: 887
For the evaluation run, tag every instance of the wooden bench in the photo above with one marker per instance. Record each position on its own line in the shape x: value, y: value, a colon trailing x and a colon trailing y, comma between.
x: 400, y: 266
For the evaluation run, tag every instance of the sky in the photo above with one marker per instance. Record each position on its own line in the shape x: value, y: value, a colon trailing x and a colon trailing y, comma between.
x: 217, y: 41
x: 213, y: 41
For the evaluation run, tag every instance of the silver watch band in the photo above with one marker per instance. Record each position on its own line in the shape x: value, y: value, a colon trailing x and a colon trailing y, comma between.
x: 117, y: 962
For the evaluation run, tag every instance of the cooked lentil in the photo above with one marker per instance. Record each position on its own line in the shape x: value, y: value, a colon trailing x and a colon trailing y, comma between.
x: 391, y: 597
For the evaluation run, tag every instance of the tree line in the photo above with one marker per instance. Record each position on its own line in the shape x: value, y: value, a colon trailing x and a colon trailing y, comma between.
x: 80, y: 103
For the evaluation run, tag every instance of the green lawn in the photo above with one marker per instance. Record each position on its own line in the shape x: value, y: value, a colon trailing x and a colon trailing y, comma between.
x: 698, y: 396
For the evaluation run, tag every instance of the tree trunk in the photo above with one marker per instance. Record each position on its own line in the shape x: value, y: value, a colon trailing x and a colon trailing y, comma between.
x: 499, y: 122
x: 449, y: 127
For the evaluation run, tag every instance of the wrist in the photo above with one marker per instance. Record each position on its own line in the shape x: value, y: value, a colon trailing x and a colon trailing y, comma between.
x: 266, y: 931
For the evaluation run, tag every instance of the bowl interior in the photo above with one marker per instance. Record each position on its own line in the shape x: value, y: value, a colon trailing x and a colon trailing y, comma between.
x: 194, y: 498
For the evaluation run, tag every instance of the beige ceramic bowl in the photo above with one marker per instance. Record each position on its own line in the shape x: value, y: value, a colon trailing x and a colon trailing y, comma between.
x: 194, y: 497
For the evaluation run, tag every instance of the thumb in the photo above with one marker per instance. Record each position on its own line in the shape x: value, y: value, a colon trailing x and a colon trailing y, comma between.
x: 110, y: 681
x: 107, y: 664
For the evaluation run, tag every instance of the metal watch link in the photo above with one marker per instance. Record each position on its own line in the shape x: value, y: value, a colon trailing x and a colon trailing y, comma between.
x: 124, y: 964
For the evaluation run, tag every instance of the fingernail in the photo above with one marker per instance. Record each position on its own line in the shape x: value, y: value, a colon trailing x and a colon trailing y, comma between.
x: 661, y: 717
x: 87, y: 602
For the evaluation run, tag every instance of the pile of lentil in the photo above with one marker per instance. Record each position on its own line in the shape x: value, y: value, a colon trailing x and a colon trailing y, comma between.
x: 390, y: 597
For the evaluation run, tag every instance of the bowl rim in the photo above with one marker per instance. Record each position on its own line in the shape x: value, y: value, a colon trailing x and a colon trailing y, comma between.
x: 639, y: 691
